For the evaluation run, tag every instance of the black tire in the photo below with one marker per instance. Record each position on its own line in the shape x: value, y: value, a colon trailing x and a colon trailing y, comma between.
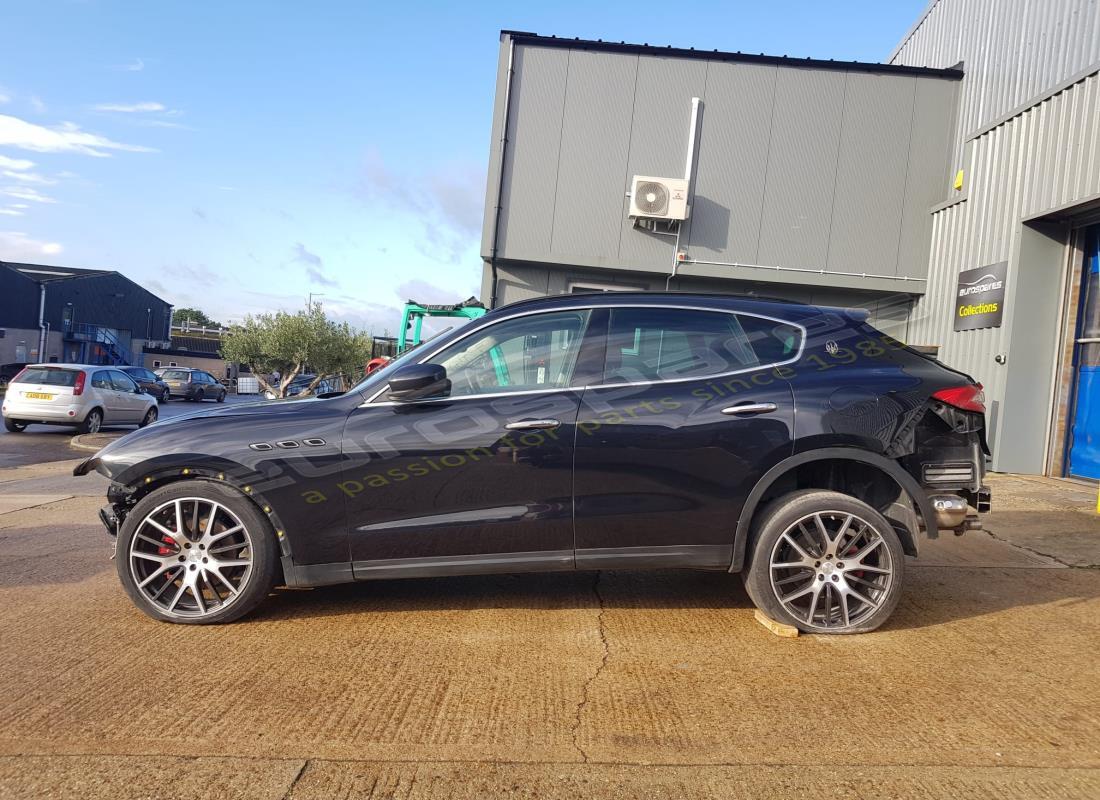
x: 93, y: 422
x: 264, y: 551
x: 820, y: 568
x: 15, y: 426
x: 200, y: 395
x: 165, y: 396
x: 221, y: 397
x: 149, y: 418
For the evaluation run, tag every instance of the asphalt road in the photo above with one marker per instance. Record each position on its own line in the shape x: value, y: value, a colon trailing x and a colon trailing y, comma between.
x: 46, y: 443
x: 596, y: 685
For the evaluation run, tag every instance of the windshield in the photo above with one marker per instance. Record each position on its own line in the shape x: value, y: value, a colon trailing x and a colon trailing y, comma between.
x: 176, y: 374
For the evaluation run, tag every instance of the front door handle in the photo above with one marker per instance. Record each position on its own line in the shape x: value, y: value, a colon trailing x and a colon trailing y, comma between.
x: 533, y: 425
x: 750, y: 408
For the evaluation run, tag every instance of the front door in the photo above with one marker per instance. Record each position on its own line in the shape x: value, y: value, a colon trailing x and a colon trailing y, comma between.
x: 1084, y: 432
x: 479, y: 479
x: 695, y: 406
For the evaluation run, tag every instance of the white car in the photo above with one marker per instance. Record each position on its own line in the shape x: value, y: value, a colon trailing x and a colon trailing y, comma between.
x: 87, y: 396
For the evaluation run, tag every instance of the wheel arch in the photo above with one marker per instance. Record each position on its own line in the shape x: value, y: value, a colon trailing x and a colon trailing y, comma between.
x: 788, y: 467
x: 141, y: 482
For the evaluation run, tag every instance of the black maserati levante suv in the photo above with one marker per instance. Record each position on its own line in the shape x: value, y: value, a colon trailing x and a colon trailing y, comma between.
x: 794, y: 444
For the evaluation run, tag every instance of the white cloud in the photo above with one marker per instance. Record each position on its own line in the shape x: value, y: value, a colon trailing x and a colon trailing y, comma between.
x: 11, y: 211
x: 15, y: 163
x: 137, y: 65
x: 28, y: 177
x: 64, y: 138
x: 16, y: 246
x: 130, y: 108
x: 25, y: 193
x: 37, y: 104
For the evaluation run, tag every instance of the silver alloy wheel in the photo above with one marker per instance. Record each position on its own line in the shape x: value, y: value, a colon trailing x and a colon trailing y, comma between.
x: 831, y: 570
x: 95, y: 420
x: 150, y: 416
x: 191, y: 557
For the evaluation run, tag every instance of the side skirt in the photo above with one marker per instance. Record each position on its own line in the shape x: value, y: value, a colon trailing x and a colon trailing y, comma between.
x: 477, y: 564
x: 693, y: 556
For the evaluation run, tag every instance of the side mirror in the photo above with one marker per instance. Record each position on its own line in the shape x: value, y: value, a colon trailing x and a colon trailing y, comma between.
x: 418, y: 381
x: 139, y: 390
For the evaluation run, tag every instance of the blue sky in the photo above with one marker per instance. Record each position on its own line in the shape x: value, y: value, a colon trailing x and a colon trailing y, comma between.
x: 236, y: 156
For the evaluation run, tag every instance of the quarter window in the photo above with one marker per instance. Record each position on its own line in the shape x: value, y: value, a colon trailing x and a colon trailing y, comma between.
x: 532, y: 352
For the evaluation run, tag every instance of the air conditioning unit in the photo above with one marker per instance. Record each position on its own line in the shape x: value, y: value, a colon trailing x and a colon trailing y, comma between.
x: 658, y: 198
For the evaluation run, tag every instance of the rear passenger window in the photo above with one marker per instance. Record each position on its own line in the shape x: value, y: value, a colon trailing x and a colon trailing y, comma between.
x: 654, y: 344
x: 102, y: 380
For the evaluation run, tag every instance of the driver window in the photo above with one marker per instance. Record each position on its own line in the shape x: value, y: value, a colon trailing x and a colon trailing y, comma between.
x: 533, y: 352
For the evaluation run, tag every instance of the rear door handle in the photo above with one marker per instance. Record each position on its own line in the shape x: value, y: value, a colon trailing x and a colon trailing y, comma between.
x: 533, y: 425
x: 750, y: 408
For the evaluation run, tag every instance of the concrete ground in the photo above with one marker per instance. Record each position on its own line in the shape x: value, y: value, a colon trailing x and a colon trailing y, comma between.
x: 599, y: 685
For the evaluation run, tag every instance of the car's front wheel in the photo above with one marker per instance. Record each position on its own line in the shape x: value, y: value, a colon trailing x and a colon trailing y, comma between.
x: 165, y: 396
x: 824, y: 562
x: 149, y: 418
x: 196, y: 552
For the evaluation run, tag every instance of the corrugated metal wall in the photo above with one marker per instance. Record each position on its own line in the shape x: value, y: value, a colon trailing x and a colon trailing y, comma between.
x: 1012, y: 50
x: 818, y: 168
x: 1035, y: 153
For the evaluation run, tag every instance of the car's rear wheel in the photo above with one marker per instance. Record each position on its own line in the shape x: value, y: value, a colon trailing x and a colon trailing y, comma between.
x: 149, y: 418
x: 200, y: 395
x: 825, y: 562
x: 196, y: 553
x: 93, y: 422
x: 15, y: 426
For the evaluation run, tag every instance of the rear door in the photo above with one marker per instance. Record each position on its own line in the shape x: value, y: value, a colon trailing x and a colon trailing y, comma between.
x: 694, y: 407
x: 132, y: 403
x: 114, y: 409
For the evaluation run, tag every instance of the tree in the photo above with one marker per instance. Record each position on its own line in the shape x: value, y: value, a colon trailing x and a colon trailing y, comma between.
x: 193, y: 317
x: 291, y: 343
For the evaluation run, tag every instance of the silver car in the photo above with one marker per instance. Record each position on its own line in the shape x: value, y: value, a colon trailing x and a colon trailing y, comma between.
x: 83, y: 395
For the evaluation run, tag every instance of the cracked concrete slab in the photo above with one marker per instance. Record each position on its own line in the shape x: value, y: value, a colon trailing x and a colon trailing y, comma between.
x: 614, y: 684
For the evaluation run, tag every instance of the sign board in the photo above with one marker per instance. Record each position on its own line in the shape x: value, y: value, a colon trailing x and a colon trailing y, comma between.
x: 980, y: 297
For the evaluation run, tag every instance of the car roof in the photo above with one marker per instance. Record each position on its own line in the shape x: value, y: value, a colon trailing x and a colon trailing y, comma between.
x: 63, y: 365
x: 775, y: 307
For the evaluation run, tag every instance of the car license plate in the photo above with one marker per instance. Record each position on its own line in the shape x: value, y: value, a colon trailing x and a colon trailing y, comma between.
x: 38, y: 396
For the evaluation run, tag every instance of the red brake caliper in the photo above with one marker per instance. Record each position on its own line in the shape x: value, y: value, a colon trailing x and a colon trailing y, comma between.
x: 170, y: 548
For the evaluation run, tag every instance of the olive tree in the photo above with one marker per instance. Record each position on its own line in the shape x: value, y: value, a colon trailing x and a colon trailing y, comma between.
x: 291, y: 343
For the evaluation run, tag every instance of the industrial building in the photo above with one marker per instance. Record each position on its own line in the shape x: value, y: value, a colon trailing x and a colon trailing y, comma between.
x: 82, y: 316
x: 953, y: 191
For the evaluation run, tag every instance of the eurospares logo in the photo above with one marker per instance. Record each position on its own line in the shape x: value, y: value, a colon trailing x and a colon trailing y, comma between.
x: 979, y: 299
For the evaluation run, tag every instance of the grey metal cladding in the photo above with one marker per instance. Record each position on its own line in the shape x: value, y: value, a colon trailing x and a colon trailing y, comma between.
x: 658, y: 142
x: 925, y: 185
x: 535, y: 127
x: 592, y: 179
x: 870, y: 173
x: 734, y: 136
x: 492, y: 177
x: 801, y: 172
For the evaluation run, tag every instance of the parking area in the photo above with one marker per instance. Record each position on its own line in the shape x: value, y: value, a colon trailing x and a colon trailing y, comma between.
x: 44, y: 443
x: 613, y: 684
